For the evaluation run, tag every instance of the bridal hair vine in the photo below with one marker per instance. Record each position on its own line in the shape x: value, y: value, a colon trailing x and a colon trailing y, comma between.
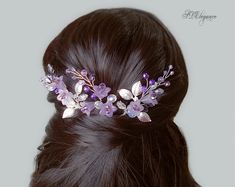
x: 89, y: 97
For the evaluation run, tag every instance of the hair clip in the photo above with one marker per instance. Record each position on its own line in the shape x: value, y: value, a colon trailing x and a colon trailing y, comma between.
x: 89, y: 97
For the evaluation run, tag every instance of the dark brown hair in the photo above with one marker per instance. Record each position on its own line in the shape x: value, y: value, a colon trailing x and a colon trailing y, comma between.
x: 118, y: 45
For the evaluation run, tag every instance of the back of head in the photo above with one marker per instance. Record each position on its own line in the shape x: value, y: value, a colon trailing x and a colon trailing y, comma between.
x: 118, y: 45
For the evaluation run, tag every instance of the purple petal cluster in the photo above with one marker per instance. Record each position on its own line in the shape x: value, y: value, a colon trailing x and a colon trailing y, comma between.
x: 87, y: 107
x: 134, y: 108
x: 107, y: 109
x: 150, y: 98
x: 53, y: 83
x: 150, y: 94
x: 101, y: 90
x: 66, y: 98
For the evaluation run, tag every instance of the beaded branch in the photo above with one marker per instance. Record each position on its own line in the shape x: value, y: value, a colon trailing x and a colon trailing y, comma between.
x: 89, y: 97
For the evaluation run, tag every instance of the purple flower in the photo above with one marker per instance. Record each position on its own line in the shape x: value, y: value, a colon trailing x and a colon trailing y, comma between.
x: 87, y: 107
x: 107, y: 109
x: 101, y: 90
x: 53, y: 83
x: 66, y: 98
x: 150, y: 98
x: 134, y: 108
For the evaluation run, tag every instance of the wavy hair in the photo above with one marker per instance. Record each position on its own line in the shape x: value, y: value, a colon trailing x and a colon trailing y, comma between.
x: 118, y: 45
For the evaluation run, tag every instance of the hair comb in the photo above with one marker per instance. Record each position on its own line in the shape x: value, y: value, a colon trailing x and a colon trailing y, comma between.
x: 89, y: 97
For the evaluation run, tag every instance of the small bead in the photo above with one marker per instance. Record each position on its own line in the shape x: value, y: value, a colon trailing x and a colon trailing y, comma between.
x: 86, y: 89
x: 172, y: 73
x: 112, y: 98
x: 145, y: 75
x: 159, y: 91
x: 98, y: 104
x: 93, y: 96
x: 130, y: 114
x: 152, y: 82
x: 167, y: 83
x: 160, y: 79
x: 170, y: 67
x: 84, y: 72
x: 153, y: 95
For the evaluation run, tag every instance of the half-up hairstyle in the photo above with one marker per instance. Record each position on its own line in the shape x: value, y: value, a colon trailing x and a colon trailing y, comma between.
x: 118, y: 45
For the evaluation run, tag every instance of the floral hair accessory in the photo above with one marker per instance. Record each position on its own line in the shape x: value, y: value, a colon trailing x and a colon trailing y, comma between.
x: 89, y: 97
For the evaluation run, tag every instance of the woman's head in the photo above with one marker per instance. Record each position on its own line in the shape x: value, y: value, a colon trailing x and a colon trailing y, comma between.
x: 118, y: 45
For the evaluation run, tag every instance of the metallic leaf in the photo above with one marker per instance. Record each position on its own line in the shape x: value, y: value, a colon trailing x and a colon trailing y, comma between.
x: 144, y: 117
x: 82, y: 97
x: 121, y: 105
x: 71, y: 103
x: 68, y: 112
x: 125, y: 94
x: 78, y: 88
x: 136, y: 88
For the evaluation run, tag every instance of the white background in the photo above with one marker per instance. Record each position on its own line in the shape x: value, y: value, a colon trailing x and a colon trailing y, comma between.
x: 207, y: 115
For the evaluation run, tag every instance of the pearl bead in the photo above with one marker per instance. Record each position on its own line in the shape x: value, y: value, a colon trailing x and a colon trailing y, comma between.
x: 167, y: 83
x: 153, y: 95
x: 145, y: 75
x: 160, y: 79
x: 112, y: 98
x: 170, y: 67
x: 172, y: 73
x: 159, y: 91
x: 98, y: 104
x: 130, y: 114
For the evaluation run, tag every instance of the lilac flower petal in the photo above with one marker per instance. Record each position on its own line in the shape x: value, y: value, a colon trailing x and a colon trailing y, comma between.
x: 66, y: 98
x: 101, y: 90
x: 107, y: 109
x: 150, y: 98
x: 87, y: 107
x: 149, y: 101
x: 134, y: 108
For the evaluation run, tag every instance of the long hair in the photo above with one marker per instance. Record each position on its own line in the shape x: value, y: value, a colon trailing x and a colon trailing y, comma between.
x: 118, y: 45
